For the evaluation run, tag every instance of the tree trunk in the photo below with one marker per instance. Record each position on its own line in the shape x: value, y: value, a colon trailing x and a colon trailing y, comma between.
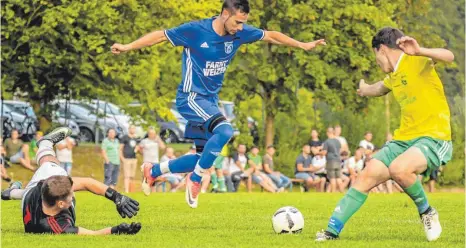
x: 269, y: 129
x: 44, y: 121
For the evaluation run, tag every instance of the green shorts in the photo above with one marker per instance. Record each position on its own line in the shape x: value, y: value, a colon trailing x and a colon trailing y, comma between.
x: 437, y: 152
x: 218, y: 162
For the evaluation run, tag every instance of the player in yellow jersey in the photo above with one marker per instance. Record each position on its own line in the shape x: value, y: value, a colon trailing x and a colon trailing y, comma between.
x: 423, y: 141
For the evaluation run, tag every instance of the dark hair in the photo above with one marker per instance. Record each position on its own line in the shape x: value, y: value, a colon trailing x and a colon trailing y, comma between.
x: 344, y: 153
x: 108, y: 130
x: 14, y: 130
x: 56, y: 188
x: 270, y: 146
x: 254, y: 147
x: 387, y: 36
x: 234, y: 5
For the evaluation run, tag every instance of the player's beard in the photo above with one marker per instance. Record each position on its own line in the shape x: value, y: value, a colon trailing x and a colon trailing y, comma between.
x: 225, y: 26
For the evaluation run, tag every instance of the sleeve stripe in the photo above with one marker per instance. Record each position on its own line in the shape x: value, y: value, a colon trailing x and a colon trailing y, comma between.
x: 60, y: 230
x: 263, y: 35
x: 168, y: 37
x: 53, y: 225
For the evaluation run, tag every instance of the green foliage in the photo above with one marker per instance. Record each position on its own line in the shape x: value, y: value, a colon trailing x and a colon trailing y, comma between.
x: 54, y: 48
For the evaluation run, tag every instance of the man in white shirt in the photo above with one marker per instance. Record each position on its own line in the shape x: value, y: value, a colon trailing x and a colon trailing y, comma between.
x: 65, y: 153
x: 240, y: 168
x: 150, y: 146
x: 366, y: 144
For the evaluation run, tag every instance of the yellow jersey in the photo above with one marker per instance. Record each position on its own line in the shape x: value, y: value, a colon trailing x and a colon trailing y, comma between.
x: 419, y: 92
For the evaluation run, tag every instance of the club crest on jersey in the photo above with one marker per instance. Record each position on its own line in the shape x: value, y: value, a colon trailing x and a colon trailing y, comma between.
x: 228, y: 47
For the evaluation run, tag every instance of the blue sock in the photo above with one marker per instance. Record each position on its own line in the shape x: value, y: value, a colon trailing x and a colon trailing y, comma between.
x: 221, y: 135
x: 195, y: 177
x: 155, y: 171
x: 182, y: 164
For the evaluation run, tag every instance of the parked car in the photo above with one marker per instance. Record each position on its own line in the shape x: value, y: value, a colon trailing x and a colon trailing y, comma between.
x: 115, y: 112
x: 170, y: 131
x: 91, y: 126
x: 62, y: 121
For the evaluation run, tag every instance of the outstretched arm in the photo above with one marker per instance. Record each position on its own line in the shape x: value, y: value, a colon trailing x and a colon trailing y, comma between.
x: 410, y: 46
x: 89, y: 184
x: 123, y: 228
x: 126, y: 206
x: 377, y: 89
x: 278, y: 38
x: 149, y: 39
x: 84, y: 231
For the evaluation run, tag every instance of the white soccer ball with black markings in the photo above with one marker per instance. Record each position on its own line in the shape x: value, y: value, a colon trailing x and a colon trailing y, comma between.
x: 287, y: 220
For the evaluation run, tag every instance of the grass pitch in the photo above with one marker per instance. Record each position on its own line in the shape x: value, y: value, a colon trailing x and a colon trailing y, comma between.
x: 244, y: 220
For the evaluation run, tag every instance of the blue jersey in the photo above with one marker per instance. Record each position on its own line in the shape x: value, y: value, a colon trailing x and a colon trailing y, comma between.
x: 206, y: 54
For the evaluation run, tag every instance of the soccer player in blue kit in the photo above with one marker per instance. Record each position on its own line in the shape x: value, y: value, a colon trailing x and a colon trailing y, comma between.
x: 209, y: 46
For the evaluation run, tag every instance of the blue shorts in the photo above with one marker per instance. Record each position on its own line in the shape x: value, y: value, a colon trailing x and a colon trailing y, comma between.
x: 303, y: 175
x: 197, y: 108
x: 199, y: 111
x: 257, y: 178
x: 15, y: 158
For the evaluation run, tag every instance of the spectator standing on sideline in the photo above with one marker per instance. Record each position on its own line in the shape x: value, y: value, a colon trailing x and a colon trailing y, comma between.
x: 33, y: 146
x: 277, y: 177
x: 111, y: 154
x: 65, y: 154
x: 128, y: 150
x: 150, y: 146
x: 366, y: 144
x: 331, y: 151
x: 345, y: 170
x: 16, y: 151
x: 343, y: 142
x: 315, y: 143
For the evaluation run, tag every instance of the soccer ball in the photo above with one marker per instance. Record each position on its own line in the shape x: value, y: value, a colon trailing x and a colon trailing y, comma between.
x: 287, y: 220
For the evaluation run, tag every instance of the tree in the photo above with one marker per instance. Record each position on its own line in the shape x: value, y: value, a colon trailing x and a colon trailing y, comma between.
x: 52, y: 48
x: 275, y: 73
